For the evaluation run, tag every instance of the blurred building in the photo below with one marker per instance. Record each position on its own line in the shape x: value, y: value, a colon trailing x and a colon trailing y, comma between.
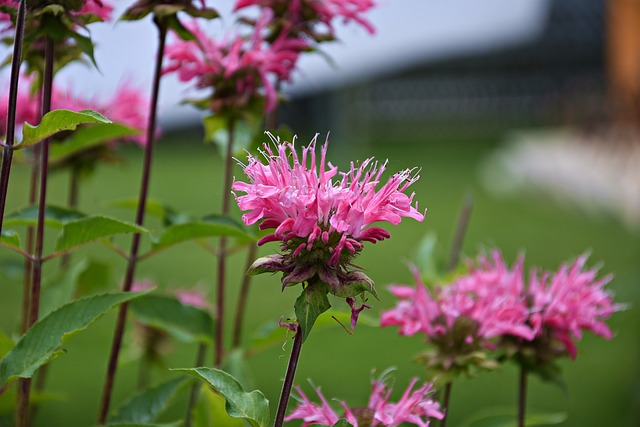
x: 557, y: 76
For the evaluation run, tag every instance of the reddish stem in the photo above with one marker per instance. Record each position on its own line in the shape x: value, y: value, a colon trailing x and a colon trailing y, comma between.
x: 222, y: 256
x: 288, y: 379
x: 7, y: 152
x: 135, y: 244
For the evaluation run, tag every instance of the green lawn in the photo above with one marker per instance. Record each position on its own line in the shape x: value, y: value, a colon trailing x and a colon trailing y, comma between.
x: 603, y: 384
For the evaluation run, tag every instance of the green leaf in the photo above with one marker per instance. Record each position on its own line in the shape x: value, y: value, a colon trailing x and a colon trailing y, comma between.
x: 175, y: 424
x: 426, y: 257
x: 253, y: 407
x: 271, y: 333
x: 59, y: 289
x: 10, y: 238
x: 186, y: 323
x: 54, y: 216
x: 153, y: 207
x: 209, y: 411
x: 96, y: 276
x: 57, y: 121
x: 88, y: 137
x: 94, y: 227
x: 211, y: 227
x: 6, y: 344
x: 506, y: 417
x: 311, y: 303
x: 236, y: 365
x: 43, y: 341
x: 147, y: 405
x: 172, y: 22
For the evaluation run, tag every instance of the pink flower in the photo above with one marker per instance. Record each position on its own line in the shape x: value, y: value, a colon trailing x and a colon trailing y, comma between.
x: 569, y: 301
x: 238, y: 69
x: 321, y: 217
x: 128, y: 106
x: 415, y: 407
x: 305, y: 13
x: 465, y: 317
x: 490, y: 296
x: 100, y: 8
x: 192, y: 298
x: 26, y: 107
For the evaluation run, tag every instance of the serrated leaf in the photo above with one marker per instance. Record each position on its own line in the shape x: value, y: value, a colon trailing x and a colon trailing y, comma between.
x: 57, y: 121
x: 311, y: 303
x: 186, y: 323
x: 89, y: 137
x: 54, y: 216
x: 212, y: 227
x: 147, y: 405
x: 209, y: 411
x: 94, y: 227
x: 43, y: 341
x: 10, y: 238
x: 253, y: 407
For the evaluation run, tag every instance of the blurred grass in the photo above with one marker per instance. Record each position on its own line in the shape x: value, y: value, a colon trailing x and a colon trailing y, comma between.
x: 603, y: 383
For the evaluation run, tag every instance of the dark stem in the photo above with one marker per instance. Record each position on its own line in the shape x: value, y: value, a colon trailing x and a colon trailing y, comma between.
x: 24, y: 388
x: 242, y: 298
x: 445, y: 404
x: 465, y: 214
x: 195, y: 388
x: 7, y: 152
x: 135, y: 243
x: 522, y: 396
x: 222, y: 256
x: 288, y: 379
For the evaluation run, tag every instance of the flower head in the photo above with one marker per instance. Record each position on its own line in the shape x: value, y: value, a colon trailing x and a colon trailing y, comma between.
x: 462, y: 318
x: 238, y: 69
x: 571, y: 300
x: 303, y: 16
x: 415, y: 407
x: 322, y: 217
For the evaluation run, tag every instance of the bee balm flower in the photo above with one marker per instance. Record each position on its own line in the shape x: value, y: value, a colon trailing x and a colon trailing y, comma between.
x: 321, y: 217
x: 414, y: 407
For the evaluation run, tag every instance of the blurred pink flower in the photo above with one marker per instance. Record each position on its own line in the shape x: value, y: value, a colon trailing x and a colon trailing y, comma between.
x: 101, y: 8
x: 192, y: 298
x: 304, y: 13
x: 490, y: 296
x: 414, y: 407
x: 142, y: 285
x: 569, y: 301
x: 128, y: 106
x: 237, y: 69
x: 26, y: 106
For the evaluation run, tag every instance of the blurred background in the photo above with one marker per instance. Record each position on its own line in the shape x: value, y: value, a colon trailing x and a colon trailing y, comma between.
x: 532, y: 107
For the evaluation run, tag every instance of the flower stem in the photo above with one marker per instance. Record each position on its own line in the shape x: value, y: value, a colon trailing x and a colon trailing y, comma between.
x: 522, y: 396
x: 195, y: 388
x: 222, y: 256
x: 445, y: 403
x: 465, y: 214
x: 24, y: 388
x: 135, y: 243
x: 288, y: 379
x: 7, y: 152
x: 242, y: 298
